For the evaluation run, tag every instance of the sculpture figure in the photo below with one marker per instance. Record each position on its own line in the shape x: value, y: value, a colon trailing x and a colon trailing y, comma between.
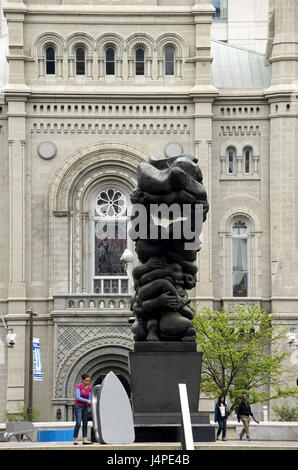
x: 168, y: 266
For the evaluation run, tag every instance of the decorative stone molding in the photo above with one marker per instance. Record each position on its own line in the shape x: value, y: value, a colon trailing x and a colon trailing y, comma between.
x: 236, y: 130
x: 140, y: 40
x: 109, y: 39
x: 104, y: 127
x: 74, y: 342
x: 79, y: 39
x: 95, y: 156
x: 172, y: 39
x: 47, y: 39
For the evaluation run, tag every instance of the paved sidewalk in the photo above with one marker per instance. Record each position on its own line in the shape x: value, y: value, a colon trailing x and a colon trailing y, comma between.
x: 158, y: 446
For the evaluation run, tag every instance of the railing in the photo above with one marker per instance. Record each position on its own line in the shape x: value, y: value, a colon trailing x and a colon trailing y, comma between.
x: 92, y: 301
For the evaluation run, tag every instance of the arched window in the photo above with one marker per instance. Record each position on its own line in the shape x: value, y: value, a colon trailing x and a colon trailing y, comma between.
x: 240, y: 232
x: 50, y: 60
x: 80, y: 61
x: 140, y: 61
x: 231, y: 161
x: 247, y: 160
x: 169, y: 60
x: 110, y: 241
x: 110, y: 61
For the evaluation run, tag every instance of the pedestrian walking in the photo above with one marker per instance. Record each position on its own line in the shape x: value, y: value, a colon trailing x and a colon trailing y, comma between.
x: 243, y: 413
x: 220, y: 417
x: 83, y: 401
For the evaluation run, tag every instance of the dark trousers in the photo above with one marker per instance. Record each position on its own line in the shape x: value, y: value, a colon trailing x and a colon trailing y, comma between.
x: 81, y: 413
x: 222, y: 423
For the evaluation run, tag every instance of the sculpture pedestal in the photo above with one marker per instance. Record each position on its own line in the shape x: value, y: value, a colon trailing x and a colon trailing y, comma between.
x: 156, y: 369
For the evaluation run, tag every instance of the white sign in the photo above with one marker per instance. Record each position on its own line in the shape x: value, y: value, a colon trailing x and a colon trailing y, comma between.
x: 186, y: 429
x: 37, y: 366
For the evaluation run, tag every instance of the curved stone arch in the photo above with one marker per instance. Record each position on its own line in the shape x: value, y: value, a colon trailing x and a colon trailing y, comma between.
x: 238, y: 146
x: 123, y: 180
x: 241, y: 211
x: 175, y: 40
x: 253, y: 145
x: 79, y: 39
x: 47, y: 39
x: 246, y: 211
x: 140, y: 40
x: 99, y: 358
x: 112, y: 40
x: 111, y: 172
x: 67, y: 365
x: 97, y: 155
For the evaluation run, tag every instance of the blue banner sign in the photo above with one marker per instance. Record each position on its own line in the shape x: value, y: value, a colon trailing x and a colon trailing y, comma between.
x: 37, y: 366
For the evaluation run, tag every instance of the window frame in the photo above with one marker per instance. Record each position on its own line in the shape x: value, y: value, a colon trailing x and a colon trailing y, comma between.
x: 50, y: 61
x: 80, y: 61
x: 173, y: 61
x: 245, y: 150
x: 231, y: 149
x: 244, y: 236
x: 96, y: 217
x: 139, y: 48
x: 110, y: 47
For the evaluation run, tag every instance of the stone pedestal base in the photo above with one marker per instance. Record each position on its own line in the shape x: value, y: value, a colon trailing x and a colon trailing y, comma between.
x: 156, y: 370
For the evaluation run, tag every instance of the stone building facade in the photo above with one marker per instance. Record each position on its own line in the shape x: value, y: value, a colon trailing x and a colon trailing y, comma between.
x: 93, y: 90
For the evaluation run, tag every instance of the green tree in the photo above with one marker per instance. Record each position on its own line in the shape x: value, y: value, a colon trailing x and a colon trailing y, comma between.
x: 241, y: 354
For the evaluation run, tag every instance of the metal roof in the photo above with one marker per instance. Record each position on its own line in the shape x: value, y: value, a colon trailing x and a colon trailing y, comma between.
x: 235, y: 67
x: 232, y: 66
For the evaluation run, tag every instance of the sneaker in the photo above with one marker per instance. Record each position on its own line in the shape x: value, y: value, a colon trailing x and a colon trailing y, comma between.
x: 240, y: 437
x: 223, y: 439
x: 217, y: 438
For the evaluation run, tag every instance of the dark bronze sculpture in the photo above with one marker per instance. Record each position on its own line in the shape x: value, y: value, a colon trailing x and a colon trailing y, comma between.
x: 168, y: 259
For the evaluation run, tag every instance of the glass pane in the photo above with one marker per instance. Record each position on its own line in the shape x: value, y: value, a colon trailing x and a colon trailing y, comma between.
x: 247, y: 161
x: 169, y: 60
x: 111, y: 203
x: 169, y: 54
x: 124, y: 286
x: 216, y: 4
x: 140, y: 55
x: 169, y: 68
x: 110, y: 68
x: 115, y: 286
x: 110, y: 243
x: 110, y: 54
x: 221, y: 7
x: 107, y: 286
x: 239, y: 254
x: 140, y: 62
x: 50, y: 53
x: 231, y: 162
x: 50, y: 67
x: 239, y: 227
x: 80, y: 68
x: 80, y: 61
x: 97, y: 286
x: 80, y: 54
x: 240, y: 284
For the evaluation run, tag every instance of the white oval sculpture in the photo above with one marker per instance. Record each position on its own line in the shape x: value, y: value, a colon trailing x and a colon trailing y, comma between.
x: 112, y: 413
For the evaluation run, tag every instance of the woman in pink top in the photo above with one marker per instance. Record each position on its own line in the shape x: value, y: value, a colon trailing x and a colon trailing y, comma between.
x: 83, y: 400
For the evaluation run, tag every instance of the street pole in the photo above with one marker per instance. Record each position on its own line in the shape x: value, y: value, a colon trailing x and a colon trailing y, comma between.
x: 30, y: 396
